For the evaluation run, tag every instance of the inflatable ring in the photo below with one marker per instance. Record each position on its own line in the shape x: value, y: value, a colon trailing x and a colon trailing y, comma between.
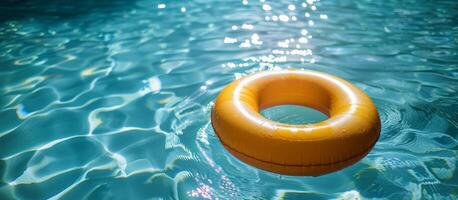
x: 350, y: 132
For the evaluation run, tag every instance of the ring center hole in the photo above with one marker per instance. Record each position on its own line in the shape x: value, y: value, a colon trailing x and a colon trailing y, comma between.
x: 292, y: 114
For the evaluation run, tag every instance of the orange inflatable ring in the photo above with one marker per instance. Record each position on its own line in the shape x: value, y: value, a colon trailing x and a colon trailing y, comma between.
x: 349, y: 133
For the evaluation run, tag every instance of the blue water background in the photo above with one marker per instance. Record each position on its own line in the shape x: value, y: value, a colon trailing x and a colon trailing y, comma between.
x: 111, y: 99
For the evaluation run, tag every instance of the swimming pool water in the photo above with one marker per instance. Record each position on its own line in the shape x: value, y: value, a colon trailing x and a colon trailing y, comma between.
x: 111, y: 99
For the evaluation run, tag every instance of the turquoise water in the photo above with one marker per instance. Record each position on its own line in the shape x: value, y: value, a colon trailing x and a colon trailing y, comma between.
x: 292, y: 114
x: 111, y: 99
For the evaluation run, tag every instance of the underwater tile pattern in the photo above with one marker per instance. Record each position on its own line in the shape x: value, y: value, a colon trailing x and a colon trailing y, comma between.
x: 111, y: 99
